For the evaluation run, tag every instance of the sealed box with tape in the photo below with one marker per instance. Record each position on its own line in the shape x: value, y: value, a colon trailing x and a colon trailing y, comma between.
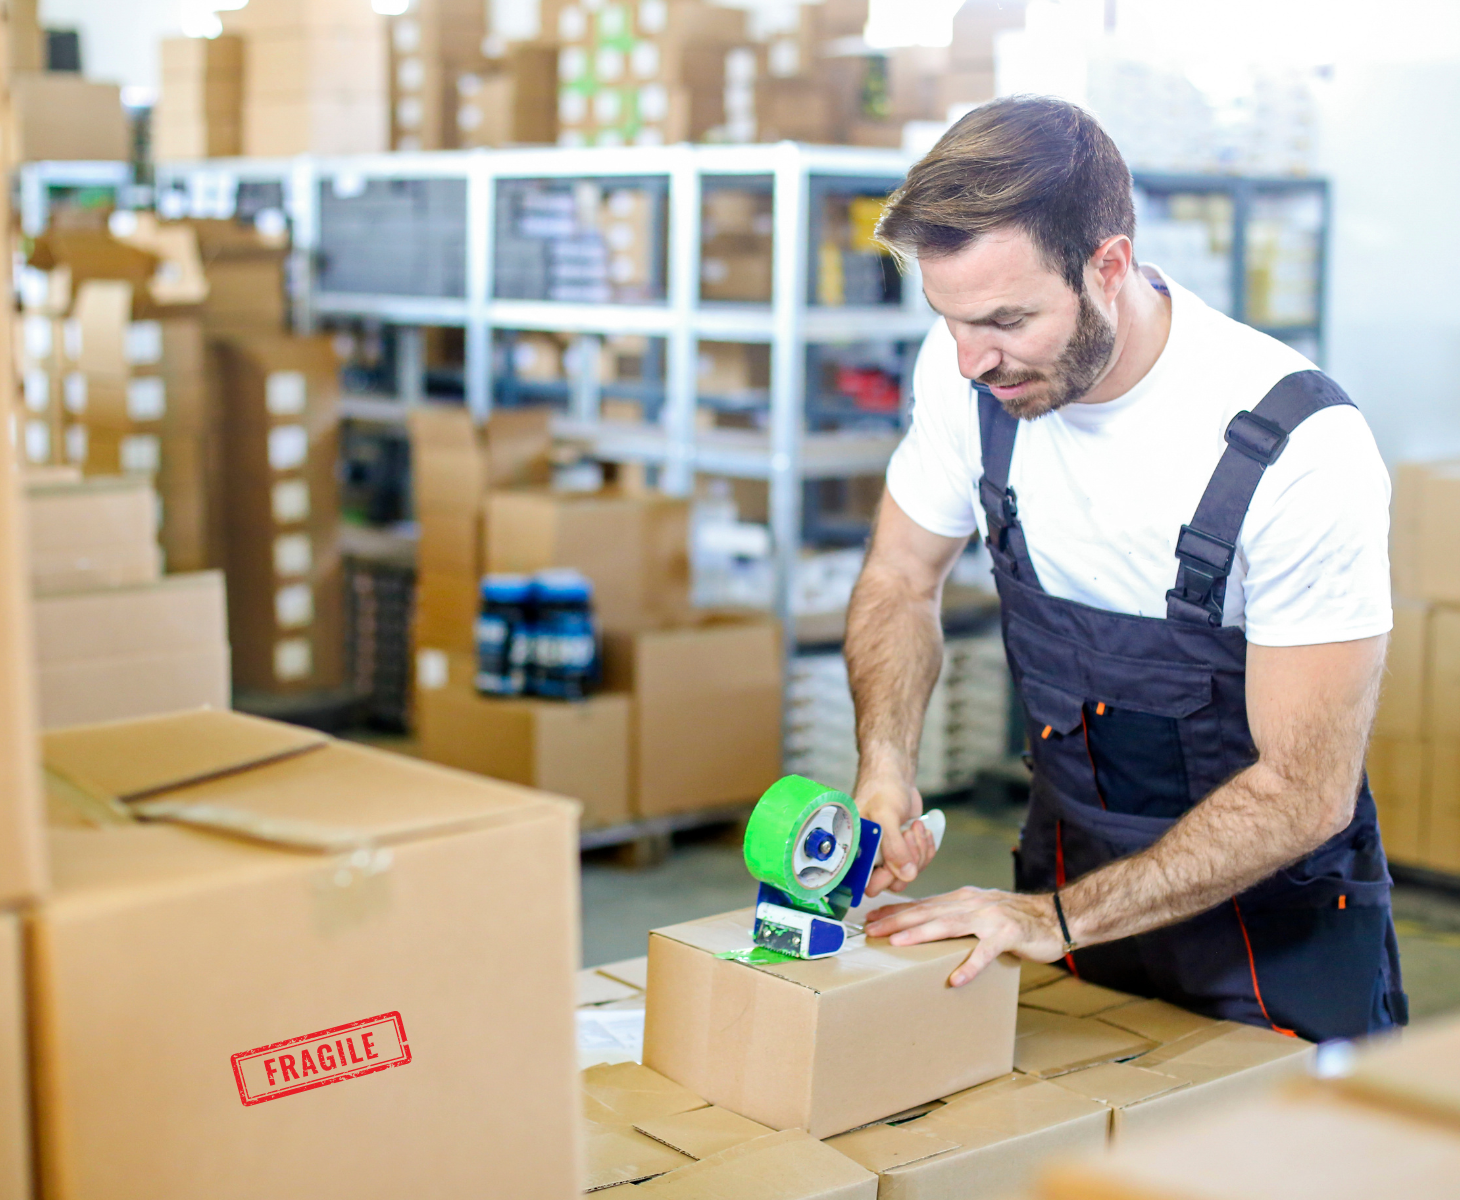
x: 824, y: 1045
x: 310, y: 990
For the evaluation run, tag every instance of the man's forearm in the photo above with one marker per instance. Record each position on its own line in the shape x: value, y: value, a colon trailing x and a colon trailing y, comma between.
x: 894, y: 651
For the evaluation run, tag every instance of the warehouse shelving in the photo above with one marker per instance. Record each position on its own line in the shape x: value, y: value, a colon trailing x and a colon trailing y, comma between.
x: 40, y: 184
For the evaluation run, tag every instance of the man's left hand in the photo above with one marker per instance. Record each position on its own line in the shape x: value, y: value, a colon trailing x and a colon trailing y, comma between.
x: 1003, y: 922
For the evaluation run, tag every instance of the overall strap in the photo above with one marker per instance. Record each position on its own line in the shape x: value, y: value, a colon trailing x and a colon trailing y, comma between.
x: 997, y: 430
x: 1255, y: 439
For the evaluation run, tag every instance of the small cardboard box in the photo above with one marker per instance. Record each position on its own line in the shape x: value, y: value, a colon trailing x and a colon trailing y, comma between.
x: 58, y: 115
x: 97, y: 534
x: 785, y: 1044
x: 1050, y: 1044
x: 635, y: 549
x: 15, y: 1142
x: 1308, y: 1145
x: 286, y: 887
x: 989, y: 1141
x: 133, y: 651
x: 578, y: 749
x: 707, y: 710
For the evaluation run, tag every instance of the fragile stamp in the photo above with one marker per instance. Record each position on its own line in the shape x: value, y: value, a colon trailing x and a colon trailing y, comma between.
x: 316, y: 1059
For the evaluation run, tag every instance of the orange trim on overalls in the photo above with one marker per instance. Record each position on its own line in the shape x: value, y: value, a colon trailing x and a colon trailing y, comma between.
x: 1059, y: 880
x: 1252, y: 964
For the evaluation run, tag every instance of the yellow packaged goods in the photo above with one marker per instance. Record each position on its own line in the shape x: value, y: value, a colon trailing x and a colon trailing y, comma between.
x: 781, y: 1043
x: 15, y: 1139
x: 284, y: 941
x: 579, y: 749
x: 97, y: 534
x: 132, y: 651
x: 706, y: 710
x: 988, y: 1141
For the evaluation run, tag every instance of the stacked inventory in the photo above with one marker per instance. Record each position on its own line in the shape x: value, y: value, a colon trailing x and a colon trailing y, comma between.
x: 281, y: 427
x: 966, y: 728
x: 199, y: 113
x: 1414, y: 756
x: 380, y: 608
x: 314, y: 77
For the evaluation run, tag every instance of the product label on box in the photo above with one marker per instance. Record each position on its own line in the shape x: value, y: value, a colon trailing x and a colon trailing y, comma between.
x: 316, y: 1059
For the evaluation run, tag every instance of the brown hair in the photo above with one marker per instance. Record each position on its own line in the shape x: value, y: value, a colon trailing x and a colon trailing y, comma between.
x: 1033, y: 162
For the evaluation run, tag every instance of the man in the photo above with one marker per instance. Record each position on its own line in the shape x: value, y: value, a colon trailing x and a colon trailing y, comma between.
x: 1188, y: 525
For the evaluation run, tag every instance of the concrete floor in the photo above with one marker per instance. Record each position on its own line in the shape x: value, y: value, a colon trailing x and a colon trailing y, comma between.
x: 705, y: 875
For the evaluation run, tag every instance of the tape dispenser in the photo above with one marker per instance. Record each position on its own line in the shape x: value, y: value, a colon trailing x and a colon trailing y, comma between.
x: 812, y: 854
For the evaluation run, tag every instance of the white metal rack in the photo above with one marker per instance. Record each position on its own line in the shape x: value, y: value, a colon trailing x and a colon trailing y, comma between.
x: 785, y: 455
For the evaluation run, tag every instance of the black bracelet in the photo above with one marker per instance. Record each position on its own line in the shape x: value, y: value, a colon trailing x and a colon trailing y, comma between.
x: 1059, y: 911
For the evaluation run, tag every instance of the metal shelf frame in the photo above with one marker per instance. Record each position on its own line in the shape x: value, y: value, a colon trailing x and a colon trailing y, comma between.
x: 786, y: 455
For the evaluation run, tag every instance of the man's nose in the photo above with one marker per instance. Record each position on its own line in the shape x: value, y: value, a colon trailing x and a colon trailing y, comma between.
x: 975, y: 360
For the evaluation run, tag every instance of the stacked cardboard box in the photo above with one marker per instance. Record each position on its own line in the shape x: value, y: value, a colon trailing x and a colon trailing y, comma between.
x: 194, y: 856
x: 736, y: 260
x: 281, y: 499
x: 199, y: 113
x: 58, y: 115
x: 314, y: 77
x: 114, y: 637
x: 507, y: 100
x: 430, y: 45
x: 1414, y: 756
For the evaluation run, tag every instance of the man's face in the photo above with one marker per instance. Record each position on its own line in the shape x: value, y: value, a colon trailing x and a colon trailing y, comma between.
x: 1020, y: 329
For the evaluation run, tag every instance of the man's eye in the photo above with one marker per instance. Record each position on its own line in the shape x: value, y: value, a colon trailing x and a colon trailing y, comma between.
x: 1014, y: 324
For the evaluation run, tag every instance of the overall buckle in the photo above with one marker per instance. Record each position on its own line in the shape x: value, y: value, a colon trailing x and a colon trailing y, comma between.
x: 1258, y: 438
x: 1002, y: 509
x: 1206, y: 560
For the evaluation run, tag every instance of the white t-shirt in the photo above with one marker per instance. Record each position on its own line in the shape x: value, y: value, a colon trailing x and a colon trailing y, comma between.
x: 1104, y: 488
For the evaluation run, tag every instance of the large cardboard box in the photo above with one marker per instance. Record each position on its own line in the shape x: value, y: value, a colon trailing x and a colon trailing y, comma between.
x: 199, y: 112
x: 1425, y: 534
x: 992, y: 1140
x: 292, y: 904
x: 707, y: 710
x: 635, y: 549
x: 97, y: 534
x: 578, y: 749
x: 133, y: 651
x: 59, y: 115
x: 787, y: 1044
x: 15, y: 1142
x: 1397, y: 767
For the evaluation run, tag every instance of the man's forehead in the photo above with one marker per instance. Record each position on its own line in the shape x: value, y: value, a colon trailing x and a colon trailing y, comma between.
x: 998, y: 274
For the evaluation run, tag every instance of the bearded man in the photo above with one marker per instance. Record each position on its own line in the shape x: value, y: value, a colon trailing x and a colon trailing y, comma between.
x: 1188, y: 524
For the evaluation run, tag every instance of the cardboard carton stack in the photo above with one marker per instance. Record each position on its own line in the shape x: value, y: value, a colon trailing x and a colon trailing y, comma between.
x: 314, y: 77
x: 199, y: 113
x: 981, y: 1107
x: 507, y: 100
x: 429, y: 45
x: 281, y: 499
x: 1414, y: 756
x: 58, y: 115
x: 114, y: 637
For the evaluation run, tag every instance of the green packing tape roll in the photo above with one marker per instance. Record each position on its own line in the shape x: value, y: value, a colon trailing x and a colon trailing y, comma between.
x: 777, y: 830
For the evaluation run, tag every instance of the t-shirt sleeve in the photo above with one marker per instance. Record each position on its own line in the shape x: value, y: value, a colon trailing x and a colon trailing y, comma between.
x: 1316, y: 538
x: 933, y: 474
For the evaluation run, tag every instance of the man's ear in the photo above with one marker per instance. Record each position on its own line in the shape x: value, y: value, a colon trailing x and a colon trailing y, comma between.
x: 1112, y: 262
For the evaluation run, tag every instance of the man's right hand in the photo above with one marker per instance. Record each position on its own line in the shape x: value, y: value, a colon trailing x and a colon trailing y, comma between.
x: 892, y: 805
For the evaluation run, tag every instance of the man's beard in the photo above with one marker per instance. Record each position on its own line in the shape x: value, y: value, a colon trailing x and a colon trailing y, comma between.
x: 1074, y: 373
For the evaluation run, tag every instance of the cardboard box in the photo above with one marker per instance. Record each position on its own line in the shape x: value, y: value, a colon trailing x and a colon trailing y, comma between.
x: 734, y: 369
x: 133, y: 651
x: 97, y: 534
x: 58, y: 115
x: 785, y: 1044
x: 989, y: 1141
x: 707, y: 710
x: 200, y: 110
x: 736, y: 268
x: 635, y: 549
x: 445, y: 612
x: 315, y: 124
x: 1440, y: 820
x: 1051, y: 1044
x: 247, y: 292
x: 285, y: 887
x: 1307, y: 1145
x: 1425, y: 536
x: 1417, y: 1075
x: 788, y: 1165
x: 15, y: 1140
x: 515, y: 104
x: 1402, y: 705
x: 1396, y: 767
x: 578, y: 749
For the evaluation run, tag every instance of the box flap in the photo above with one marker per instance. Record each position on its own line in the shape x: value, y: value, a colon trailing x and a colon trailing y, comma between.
x: 1036, y: 975
x: 629, y: 1092
x: 620, y: 1154
x: 790, y: 1165
x: 1157, y: 1020
x: 128, y: 760
x: 632, y: 971
x: 879, y: 1148
x: 1074, y: 997
x: 1119, y: 1084
x: 1048, y: 1044
x: 863, y: 959
x: 1226, y: 1048
x: 594, y: 988
x: 702, y: 1132
x: 1419, y: 1074
x: 1011, y: 1108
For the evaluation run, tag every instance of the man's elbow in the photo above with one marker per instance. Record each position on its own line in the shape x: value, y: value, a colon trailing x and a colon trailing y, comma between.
x: 1336, y: 813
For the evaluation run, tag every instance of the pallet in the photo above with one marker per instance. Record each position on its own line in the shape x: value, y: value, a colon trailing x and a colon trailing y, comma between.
x: 647, y: 842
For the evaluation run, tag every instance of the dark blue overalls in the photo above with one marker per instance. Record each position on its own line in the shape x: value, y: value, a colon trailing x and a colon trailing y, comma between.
x: 1133, y: 720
